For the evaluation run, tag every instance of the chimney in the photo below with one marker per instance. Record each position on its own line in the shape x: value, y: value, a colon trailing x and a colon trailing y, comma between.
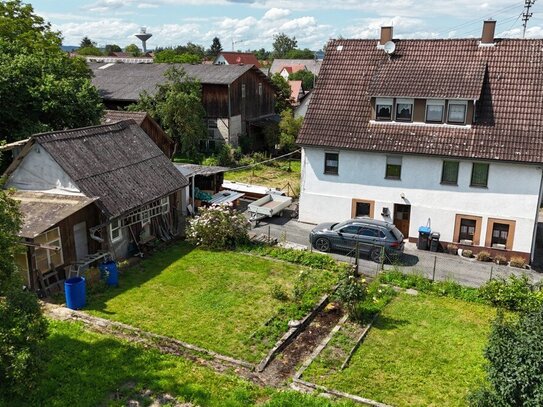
x: 386, y: 35
x: 489, y: 26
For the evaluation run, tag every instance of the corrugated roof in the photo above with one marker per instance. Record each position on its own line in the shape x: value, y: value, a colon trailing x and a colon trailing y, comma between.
x: 509, y: 116
x: 117, y: 163
x: 247, y: 58
x: 114, y: 116
x: 41, y: 211
x: 189, y: 170
x: 125, y: 82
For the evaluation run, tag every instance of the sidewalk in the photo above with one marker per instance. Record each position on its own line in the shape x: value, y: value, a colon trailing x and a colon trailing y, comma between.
x: 469, y: 272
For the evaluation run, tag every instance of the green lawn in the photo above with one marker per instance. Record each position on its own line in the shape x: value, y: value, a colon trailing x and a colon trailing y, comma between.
x: 88, y: 369
x: 273, y: 176
x: 218, y: 300
x: 422, y: 351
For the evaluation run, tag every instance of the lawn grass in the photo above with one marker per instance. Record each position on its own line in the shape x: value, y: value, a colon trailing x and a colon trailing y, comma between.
x: 217, y: 300
x: 276, y: 175
x: 89, y: 369
x: 423, y: 350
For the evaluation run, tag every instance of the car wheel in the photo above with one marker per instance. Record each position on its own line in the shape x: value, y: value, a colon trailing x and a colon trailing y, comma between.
x: 322, y: 244
x: 375, y: 255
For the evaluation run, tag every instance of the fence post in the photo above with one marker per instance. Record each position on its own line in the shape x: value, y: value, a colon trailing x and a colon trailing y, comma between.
x: 382, y: 258
x: 434, y: 271
x: 491, y: 271
x: 356, y: 254
x: 269, y: 234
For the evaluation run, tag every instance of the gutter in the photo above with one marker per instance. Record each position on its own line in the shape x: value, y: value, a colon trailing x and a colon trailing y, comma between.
x: 536, y: 220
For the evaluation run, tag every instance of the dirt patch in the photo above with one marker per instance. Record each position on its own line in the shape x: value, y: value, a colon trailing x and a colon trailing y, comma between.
x: 284, y: 365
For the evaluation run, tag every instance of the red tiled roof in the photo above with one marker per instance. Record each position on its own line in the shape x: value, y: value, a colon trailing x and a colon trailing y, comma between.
x: 295, y: 88
x: 293, y: 68
x: 245, y: 58
x: 510, y: 108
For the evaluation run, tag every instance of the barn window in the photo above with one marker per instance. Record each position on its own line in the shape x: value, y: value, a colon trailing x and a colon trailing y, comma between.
x: 165, y: 204
x: 260, y: 89
x: 243, y: 90
x: 115, y: 231
x: 51, y: 256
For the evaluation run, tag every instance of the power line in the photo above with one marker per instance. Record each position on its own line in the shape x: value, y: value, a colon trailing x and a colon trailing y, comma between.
x: 262, y: 162
x: 478, y: 19
x: 526, y: 15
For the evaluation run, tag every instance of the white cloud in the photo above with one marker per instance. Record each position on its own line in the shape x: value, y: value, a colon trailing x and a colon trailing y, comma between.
x: 276, y: 13
x: 147, y: 5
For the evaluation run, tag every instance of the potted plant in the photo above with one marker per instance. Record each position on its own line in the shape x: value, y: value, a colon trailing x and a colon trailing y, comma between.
x: 518, y: 261
x: 499, y: 259
x: 483, y: 256
x: 452, y: 248
x: 467, y: 253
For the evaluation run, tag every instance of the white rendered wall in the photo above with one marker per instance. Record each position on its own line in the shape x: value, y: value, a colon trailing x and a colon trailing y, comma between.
x: 235, y: 130
x: 40, y: 172
x: 221, y: 61
x: 512, y: 193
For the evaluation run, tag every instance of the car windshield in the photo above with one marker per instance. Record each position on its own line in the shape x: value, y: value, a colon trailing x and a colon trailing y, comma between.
x: 338, y: 226
x: 397, y: 234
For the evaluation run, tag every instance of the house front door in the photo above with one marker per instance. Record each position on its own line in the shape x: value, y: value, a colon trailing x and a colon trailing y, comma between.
x: 80, y: 240
x: 402, y: 214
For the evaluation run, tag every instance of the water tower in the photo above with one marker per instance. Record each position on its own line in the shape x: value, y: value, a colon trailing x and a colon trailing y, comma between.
x: 144, y: 36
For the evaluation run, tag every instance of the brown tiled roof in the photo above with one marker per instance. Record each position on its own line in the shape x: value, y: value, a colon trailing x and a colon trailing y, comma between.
x: 511, y: 102
x: 246, y: 58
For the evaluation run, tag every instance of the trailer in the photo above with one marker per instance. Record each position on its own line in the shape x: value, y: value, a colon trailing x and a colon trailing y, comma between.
x: 268, y: 206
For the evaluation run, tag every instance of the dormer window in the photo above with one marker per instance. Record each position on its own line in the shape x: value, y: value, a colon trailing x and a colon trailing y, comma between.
x: 434, y: 110
x: 383, y: 108
x: 404, y: 110
x: 457, y: 112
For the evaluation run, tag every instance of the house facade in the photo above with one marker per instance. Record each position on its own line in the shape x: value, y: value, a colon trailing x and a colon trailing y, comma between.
x: 427, y: 135
x: 238, y: 99
x: 236, y: 58
x: 91, y: 193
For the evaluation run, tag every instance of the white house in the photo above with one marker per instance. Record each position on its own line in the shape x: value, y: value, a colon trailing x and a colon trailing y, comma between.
x: 444, y: 133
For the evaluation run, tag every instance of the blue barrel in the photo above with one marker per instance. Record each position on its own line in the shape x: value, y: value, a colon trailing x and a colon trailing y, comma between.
x: 109, y: 272
x: 74, y: 289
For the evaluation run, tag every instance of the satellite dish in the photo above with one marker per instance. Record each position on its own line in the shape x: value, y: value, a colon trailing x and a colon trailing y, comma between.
x: 389, y: 47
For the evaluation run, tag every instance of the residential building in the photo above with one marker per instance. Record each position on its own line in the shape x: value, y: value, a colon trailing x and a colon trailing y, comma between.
x: 312, y: 65
x: 296, y: 92
x: 236, y: 58
x: 445, y: 133
x: 91, y: 193
x: 239, y: 100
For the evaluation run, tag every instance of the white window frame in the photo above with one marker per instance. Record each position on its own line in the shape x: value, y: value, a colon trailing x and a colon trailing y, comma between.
x: 260, y: 89
x: 51, y: 243
x: 434, y: 102
x: 117, y: 228
x: 165, y: 204
x: 400, y: 101
x: 460, y: 103
x: 384, y: 102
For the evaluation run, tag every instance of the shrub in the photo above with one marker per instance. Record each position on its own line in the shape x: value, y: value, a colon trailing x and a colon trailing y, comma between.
x: 499, y: 259
x: 515, y: 294
x: 350, y: 293
x: 279, y: 293
x: 518, y: 261
x: 467, y: 253
x: 210, y: 161
x: 452, y: 248
x: 483, y: 256
x: 218, y: 227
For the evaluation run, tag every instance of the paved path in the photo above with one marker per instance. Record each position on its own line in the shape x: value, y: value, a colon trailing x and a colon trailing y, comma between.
x: 469, y: 272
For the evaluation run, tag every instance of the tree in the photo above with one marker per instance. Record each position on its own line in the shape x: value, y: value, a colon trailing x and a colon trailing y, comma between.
x: 171, y: 57
x: 300, y: 54
x: 282, y: 44
x: 282, y: 93
x: 191, y: 48
x: 216, y: 47
x: 307, y: 78
x: 289, y: 127
x: 22, y: 326
x: 177, y: 107
x: 86, y: 42
x: 514, y: 370
x: 261, y: 54
x: 133, y: 49
x: 44, y: 88
x: 112, y: 48
x: 85, y: 51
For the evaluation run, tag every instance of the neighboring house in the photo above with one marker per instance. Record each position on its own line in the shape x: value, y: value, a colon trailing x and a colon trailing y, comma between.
x: 238, y: 99
x: 236, y: 58
x: 92, y: 192
x: 440, y: 132
x: 296, y: 92
x: 288, y: 70
x: 301, y: 109
x: 279, y: 65
x: 146, y: 122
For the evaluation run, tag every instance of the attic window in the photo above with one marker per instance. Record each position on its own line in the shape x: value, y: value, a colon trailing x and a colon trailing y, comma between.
x: 383, y: 108
x: 457, y: 112
x: 434, y: 110
x: 404, y: 110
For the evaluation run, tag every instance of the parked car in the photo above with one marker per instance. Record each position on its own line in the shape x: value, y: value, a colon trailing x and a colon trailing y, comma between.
x: 371, y: 236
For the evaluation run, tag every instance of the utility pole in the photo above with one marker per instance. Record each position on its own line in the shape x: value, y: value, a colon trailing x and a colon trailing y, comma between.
x: 526, y: 15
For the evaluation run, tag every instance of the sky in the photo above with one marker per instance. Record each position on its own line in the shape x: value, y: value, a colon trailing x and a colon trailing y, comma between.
x: 252, y: 24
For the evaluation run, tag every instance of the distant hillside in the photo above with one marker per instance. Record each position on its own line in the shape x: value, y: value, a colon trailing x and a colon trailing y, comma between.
x: 69, y: 48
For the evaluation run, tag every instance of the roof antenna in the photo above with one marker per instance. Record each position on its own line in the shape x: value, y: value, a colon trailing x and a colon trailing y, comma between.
x: 526, y: 15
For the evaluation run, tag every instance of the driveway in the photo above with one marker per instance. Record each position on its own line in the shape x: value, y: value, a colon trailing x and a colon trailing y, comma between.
x: 468, y: 272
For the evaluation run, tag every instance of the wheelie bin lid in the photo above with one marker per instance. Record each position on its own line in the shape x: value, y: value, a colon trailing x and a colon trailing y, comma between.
x: 425, y: 229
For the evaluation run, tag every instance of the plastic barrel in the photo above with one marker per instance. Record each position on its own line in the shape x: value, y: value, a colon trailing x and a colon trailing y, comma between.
x: 74, y: 289
x: 109, y: 270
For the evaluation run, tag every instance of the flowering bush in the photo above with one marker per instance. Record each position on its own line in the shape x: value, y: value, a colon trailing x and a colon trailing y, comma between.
x: 218, y: 227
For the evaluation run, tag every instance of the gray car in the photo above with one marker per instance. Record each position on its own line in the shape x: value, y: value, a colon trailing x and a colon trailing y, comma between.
x: 371, y: 236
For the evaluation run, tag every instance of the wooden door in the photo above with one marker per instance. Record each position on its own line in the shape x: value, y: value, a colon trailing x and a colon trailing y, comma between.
x: 402, y: 214
x: 80, y: 240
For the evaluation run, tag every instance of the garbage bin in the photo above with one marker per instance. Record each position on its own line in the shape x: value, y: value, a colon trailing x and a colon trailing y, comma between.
x: 424, y: 236
x: 434, y: 241
x: 74, y: 289
x: 109, y: 272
